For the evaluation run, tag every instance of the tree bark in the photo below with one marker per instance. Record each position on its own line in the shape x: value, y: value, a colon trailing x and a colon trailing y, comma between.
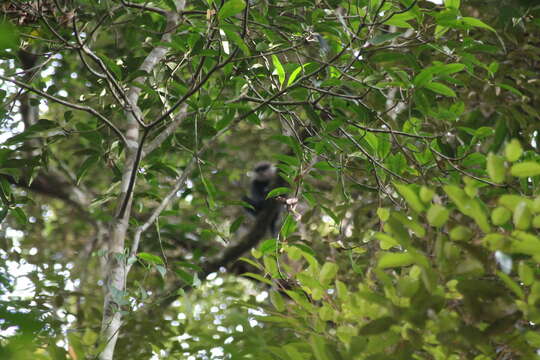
x: 117, y: 268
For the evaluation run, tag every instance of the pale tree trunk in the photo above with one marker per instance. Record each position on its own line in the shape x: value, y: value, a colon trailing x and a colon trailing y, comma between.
x: 115, y: 280
x: 117, y: 255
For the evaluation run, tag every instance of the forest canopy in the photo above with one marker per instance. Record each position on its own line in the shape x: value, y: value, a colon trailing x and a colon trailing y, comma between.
x: 400, y: 220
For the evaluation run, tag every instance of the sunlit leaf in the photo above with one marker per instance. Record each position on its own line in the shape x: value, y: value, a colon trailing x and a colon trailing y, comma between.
x: 513, y: 150
x: 500, y: 215
x: 389, y: 260
x: 279, y: 69
x: 522, y: 216
x: 328, y: 273
x: 495, y: 168
x: 525, y: 169
x: 437, y: 215
x: 294, y: 75
x: 410, y: 195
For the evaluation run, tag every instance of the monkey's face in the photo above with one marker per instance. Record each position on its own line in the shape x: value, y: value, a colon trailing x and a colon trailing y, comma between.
x: 264, y: 171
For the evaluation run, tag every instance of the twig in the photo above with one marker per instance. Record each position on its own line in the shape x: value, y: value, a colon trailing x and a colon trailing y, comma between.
x: 87, y: 109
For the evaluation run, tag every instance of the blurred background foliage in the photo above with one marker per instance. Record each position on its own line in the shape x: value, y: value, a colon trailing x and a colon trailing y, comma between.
x: 408, y: 131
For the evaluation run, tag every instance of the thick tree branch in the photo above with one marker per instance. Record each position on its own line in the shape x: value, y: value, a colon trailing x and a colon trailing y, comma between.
x: 54, y: 186
x: 136, y: 146
x: 117, y: 269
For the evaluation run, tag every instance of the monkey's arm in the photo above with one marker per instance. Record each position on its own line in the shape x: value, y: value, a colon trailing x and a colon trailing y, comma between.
x: 257, y: 205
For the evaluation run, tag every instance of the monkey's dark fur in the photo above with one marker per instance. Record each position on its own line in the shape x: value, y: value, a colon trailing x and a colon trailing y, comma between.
x: 264, y: 180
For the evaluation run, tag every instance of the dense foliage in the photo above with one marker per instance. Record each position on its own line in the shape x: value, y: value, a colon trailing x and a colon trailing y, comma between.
x: 407, y: 138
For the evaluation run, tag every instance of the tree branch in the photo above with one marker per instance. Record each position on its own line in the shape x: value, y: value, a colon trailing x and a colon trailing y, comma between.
x: 168, y: 131
x: 87, y: 109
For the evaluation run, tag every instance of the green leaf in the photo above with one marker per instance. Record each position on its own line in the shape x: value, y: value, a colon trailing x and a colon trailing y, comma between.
x: 410, y: 195
x: 536, y: 204
x: 9, y: 36
x: 20, y: 215
x: 533, y: 338
x: 400, y: 19
x: 510, y: 88
x: 495, y: 168
x: 389, y: 260
x: 291, y: 351
x: 452, y: 4
x: 500, y: 215
x: 288, y: 227
x: 440, y: 89
x: 325, y: 166
x: 476, y: 23
x: 426, y: 75
x: 460, y: 233
x: 230, y: 8
x: 525, y: 169
x: 437, y: 215
x: 536, y: 222
x: 112, y: 66
x: 522, y: 216
x: 525, y: 243
x: 468, y: 206
x: 318, y: 346
x: 236, y: 224
x: 210, y: 192
x: 384, y: 37
x: 171, y: 4
x: 279, y: 69
x: 410, y: 223
x: 328, y: 273
x: 448, y: 69
x: 526, y: 273
x: 162, y: 270
x: 511, y: 201
x: 493, y: 68
x: 300, y: 299
x: 278, y: 191
x: 377, y: 326
x: 386, y: 241
x: 258, y: 277
x: 513, y: 150
x: 383, y: 214
x: 277, y: 301
x: 76, y: 344
x: 294, y: 75
x: 184, y: 275
x: 511, y: 284
x: 251, y: 262
x: 232, y: 35
x: 423, y: 78
x: 150, y: 258
x: 268, y: 246
x: 271, y: 266
x: 426, y: 194
x: 86, y: 165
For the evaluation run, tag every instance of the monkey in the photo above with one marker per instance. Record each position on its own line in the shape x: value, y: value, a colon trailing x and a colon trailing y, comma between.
x: 265, y: 178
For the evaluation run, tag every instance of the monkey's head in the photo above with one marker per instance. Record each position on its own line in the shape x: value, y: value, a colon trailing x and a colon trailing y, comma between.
x: 264, y: 171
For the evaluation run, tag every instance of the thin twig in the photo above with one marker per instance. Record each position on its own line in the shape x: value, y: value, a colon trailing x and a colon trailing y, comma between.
x: 87, y: 109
